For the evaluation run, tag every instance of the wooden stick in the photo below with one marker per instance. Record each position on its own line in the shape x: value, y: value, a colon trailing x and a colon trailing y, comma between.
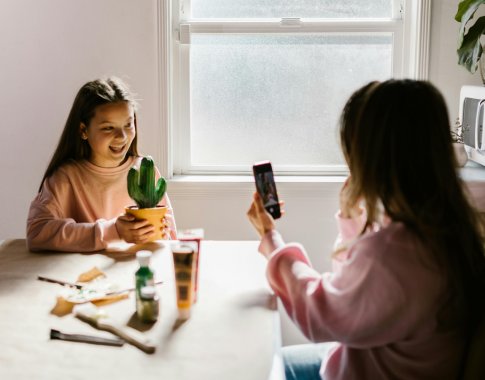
x: 90, y: 313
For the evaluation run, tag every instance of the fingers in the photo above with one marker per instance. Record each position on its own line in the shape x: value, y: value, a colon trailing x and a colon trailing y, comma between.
x: 252, y: 209
x: 165, y: 229
x: 258, y: 202
x: 168, y: 217
x: 126, y: 218
x: 142, y: 235
x: 145, y: 230
x: 141, y: 229
x: 135, y: 224
x: 257, y: 207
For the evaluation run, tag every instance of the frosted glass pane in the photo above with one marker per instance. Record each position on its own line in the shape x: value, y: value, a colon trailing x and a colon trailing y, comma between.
x: 291, y: 8
x: 256, y: 97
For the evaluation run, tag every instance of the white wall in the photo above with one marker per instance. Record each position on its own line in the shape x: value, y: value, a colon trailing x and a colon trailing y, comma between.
x: 49, y: 48
x: 444, y: 71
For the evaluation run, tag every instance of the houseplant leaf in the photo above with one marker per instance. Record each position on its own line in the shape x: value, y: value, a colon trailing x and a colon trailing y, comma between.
x: 466, y: 11
x: 470, y: 51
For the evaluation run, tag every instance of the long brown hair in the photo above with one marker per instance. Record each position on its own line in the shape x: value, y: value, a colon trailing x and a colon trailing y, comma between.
x: 91, y: 95
x: 396, y: 139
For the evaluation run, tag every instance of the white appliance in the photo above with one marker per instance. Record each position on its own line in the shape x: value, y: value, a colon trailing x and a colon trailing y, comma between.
x: 471, y: 117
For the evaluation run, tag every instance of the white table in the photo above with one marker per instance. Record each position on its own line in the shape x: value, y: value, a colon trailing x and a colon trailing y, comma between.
x: 473, y: 171
x: 233, y: 332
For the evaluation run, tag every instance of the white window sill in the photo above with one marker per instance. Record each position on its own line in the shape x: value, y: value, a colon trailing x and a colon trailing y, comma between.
x: 242, y: 186
x: 248, y: 178
x: 227, y: 186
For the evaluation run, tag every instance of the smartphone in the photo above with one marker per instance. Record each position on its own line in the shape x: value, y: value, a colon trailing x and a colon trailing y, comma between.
x: 266, y: 187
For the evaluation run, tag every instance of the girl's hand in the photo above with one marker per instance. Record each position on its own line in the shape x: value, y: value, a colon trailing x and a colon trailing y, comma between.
x: 134, y: 231
x: 348, y: 210
x: 167, y: 222
x: 259, y: 217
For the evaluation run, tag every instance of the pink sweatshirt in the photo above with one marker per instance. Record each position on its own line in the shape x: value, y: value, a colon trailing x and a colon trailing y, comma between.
x: 380, y: 303
x: 77, y: 207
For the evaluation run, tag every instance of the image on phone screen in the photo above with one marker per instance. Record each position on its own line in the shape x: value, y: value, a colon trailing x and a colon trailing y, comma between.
x: 266, y: 187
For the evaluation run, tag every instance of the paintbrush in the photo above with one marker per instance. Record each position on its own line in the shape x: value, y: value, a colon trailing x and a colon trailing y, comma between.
x: 79, y: 286
x: 95, y: 317
x: 54, y: 281
x: 56, y: 334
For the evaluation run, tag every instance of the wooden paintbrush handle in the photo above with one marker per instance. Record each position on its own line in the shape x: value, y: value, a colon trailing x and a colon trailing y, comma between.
x: 90, y: 314
x: 123, y: 333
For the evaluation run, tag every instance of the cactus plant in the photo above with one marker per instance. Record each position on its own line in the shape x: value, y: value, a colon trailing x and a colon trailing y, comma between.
x: 141, y: 184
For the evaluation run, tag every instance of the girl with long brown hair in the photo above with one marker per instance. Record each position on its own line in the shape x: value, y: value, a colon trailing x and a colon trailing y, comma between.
x: 409, y: 276
x: 83, y: 193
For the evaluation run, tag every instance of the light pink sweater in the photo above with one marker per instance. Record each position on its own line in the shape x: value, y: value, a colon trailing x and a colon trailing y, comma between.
x: 380, y: 303
x: 77, y: 207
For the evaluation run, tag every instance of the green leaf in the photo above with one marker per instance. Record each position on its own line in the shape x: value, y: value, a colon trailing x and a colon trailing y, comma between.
x: 141, y: 184
x: 466, y: 11
x: 161, y: 188
x: 470, y: 50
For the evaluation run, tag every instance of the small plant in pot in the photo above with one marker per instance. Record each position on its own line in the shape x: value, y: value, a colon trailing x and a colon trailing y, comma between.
x: 147, y: 194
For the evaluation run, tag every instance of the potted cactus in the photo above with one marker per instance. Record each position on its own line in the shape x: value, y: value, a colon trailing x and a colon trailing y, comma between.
x: 147, y: 194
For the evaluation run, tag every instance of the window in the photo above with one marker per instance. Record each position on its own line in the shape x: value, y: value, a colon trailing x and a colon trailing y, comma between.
x: 267, y: 79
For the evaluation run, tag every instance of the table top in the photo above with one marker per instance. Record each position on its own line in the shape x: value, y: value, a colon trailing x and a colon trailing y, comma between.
x: 473, y: 171
x: 233, y: 332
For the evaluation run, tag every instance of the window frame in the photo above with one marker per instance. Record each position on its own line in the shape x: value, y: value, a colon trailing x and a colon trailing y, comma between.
x: 410, y: 26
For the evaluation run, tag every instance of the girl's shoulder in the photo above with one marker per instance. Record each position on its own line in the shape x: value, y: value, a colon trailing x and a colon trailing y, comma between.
x: 61, y: 179
x: 84, y: 166
x: 399, y: 249
x: 395, y: 232
x: 394, y: 239
x: 66, y: 169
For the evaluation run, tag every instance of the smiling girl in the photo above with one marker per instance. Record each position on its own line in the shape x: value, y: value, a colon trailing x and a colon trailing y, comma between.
x: 81, y: 200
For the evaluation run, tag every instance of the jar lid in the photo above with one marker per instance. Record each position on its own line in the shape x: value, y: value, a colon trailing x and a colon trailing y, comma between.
x: 182, y: 249
x: 148, y: 292
x: 143, y: 258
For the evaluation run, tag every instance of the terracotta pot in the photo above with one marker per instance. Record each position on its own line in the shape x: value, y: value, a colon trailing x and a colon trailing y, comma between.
x: 154, y: 215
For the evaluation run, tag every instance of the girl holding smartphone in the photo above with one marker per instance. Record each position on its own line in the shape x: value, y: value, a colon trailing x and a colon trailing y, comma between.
x: 409, y: 268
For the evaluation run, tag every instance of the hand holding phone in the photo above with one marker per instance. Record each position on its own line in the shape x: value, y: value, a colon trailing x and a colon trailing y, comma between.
x: 266, y: 187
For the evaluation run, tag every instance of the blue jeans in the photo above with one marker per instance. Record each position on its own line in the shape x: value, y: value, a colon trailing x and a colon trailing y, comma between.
x: 303, y: 361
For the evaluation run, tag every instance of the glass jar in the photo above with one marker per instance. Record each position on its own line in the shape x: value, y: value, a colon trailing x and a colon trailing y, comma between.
x: 148, y: 305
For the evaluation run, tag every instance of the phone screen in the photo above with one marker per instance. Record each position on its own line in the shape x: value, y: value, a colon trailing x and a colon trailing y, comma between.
x: 266, y: 187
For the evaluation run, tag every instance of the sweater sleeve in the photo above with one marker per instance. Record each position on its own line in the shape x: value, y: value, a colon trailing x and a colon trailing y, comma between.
x: 270, y: 242
x: 363, y: 305
x: 48, y: 227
